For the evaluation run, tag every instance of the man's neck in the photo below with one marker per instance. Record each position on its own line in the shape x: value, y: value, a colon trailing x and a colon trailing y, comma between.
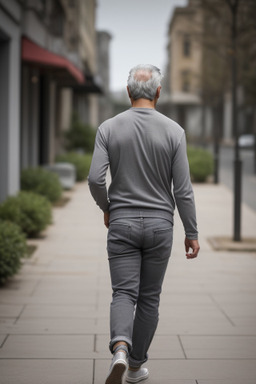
x: 143, y: 103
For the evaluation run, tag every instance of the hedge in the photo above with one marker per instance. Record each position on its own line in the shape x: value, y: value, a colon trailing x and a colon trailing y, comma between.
x: 41, y: 181
x: 12, y: 249
x: 200, y: 163
x: 80, y: 135
x: 30, y: 211
x: 81, y: 162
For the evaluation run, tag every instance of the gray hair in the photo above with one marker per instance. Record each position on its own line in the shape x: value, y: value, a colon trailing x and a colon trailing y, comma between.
x: 143, y: 81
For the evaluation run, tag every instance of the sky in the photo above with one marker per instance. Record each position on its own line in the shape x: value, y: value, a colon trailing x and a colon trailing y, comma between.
x: 139, y: 34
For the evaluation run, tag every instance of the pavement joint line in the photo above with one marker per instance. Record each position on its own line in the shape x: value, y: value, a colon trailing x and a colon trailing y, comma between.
x: 19, y: 316
x: 182, y: 347
x: 35, y: 287
x: 94, y: 343
x: 222, y: 310
x: 93, y: 371
x: 6, y: 337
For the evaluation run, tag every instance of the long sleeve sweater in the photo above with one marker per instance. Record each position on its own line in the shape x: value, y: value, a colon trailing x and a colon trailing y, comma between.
x: 146, y: 152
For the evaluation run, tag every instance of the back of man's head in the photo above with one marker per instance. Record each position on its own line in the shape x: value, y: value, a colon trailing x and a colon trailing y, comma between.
x: 143, y: 81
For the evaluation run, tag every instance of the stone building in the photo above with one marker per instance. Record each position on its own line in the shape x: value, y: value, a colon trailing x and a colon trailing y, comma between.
x: 182, y: 99
x: 198, y: 93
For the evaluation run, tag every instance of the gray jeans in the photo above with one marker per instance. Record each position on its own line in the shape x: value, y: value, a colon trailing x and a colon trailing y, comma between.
x: 138, y: 249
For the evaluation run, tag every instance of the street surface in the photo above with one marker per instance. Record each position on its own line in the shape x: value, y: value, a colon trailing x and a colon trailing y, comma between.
x: 54, y: 314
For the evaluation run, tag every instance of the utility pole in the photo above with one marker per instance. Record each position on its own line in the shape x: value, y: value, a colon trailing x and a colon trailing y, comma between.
x: 216, y: 145
x: 233, y: 5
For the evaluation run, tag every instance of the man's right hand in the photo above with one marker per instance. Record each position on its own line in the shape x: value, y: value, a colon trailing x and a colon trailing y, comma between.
x: 191, y: 244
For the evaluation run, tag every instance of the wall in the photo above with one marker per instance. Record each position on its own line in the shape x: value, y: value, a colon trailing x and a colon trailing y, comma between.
x: 9, y: 98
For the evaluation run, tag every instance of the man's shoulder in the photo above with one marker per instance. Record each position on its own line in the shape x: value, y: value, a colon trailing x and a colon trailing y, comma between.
x: 114, y: 119
x: 169, y: 121
x: 169, y: 124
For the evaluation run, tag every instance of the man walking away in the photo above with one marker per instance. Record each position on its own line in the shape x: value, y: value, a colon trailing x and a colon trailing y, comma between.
x: 146, y: 153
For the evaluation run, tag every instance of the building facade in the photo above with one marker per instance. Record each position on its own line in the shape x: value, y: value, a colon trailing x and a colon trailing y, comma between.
x: 10, y: 52
x: 47, y: 70
x: 183, y: 99
x: 199, y: 70
x: 103, y: 68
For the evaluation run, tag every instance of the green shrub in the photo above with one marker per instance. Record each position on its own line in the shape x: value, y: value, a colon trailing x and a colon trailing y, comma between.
x: 81, y: 162
x: 12, y: 249
x: 80, y: 135
x: 30, y: 211
x: 41, y: 181
x: 200, y: 163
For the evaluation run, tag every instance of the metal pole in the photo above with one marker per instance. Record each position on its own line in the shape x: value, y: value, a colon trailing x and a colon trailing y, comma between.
x: 237, y: 160
x: 216, y: 146
x: 254, y: 148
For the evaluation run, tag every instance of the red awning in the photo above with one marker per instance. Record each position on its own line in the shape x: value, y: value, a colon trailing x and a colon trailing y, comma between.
x: 33, y: 53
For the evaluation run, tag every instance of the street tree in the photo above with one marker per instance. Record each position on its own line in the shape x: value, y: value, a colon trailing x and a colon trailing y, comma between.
x: 228, y: 41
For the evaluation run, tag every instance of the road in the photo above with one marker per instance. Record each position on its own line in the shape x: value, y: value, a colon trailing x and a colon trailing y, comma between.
x: 226, y: 172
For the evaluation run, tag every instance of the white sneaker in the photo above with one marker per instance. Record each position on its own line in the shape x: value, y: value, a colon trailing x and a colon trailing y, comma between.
x: 117, y: 368
x: 136, y: 376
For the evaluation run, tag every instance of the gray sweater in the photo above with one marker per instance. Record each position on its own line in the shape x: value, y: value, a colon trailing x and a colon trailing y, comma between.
x: 146, y: 152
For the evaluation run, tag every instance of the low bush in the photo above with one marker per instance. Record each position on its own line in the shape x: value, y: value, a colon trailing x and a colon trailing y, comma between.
x: 41, y: 181
x: 80, y: 136
x: 81, y: 162
x: 30, y: 211
x: 200, y: 163
x: 12, y: 249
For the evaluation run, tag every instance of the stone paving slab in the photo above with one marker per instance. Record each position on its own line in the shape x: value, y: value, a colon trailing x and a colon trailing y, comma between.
x: 51, y: 326
x: 219, y: 347
x: 46, y: 371
x: 232, y: 381
x: 196, y: 326
x: 48, y: 347
x: 7, y: 310
x: 57, y: 312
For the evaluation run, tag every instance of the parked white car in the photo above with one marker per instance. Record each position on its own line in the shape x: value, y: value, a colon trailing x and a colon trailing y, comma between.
x: 246, y: 141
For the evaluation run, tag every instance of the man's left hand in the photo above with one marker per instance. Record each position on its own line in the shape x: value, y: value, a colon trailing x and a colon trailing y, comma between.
x: 194, y: 245
x: 106, y: 219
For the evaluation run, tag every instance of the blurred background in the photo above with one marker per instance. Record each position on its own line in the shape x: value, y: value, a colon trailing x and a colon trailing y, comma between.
x: 64, y: 66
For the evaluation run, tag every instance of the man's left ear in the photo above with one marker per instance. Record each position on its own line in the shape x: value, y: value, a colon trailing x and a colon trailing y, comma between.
x: 158, y: 91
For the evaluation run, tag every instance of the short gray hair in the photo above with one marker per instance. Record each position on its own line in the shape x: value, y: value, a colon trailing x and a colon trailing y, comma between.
x: 145, y: 84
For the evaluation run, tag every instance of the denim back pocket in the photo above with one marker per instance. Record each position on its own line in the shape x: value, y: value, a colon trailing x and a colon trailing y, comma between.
x: 163, y: 236
x: 119, y: 235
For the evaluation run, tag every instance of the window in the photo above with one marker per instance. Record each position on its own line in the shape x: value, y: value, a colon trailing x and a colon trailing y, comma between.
x: 186, y: 46
x: 185, y: 76
x: 57, y: 19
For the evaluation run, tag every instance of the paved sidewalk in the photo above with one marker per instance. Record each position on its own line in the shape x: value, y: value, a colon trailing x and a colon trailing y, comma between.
x: 54, y: 313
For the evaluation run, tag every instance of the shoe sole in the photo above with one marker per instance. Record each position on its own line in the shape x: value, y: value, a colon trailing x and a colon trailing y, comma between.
x: 138, y: 379
x: 115, y: 376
